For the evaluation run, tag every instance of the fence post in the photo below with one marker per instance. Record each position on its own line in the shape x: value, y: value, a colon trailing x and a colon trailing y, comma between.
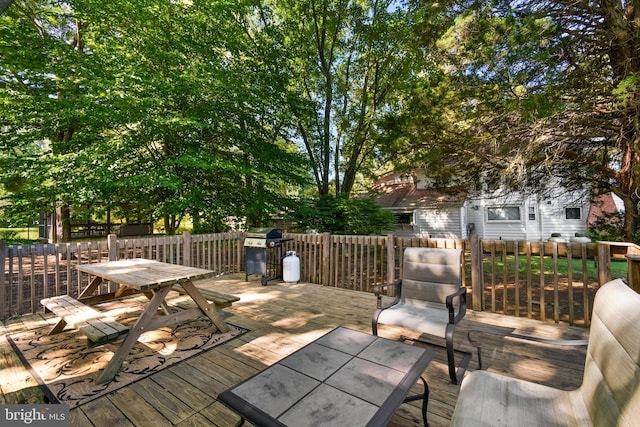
x: 112, y: 245
x: 186, y: 248
x: 604, y: 263
x: 633, y: 273
x: 3, y: 286
x: 477, y: 285
x: 240, y: 250
x: 326, y: 259
x: 391, y: 258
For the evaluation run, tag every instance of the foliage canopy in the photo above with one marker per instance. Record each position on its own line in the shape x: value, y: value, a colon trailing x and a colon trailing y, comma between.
x: 162, y: 106
x: 234, y: 108
x: 530, y: 95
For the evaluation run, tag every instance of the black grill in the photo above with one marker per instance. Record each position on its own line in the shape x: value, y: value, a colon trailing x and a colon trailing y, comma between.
x: 263, y: 253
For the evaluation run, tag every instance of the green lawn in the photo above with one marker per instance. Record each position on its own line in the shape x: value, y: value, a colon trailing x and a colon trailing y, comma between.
x: 618, y: 267
x: 18, y: 236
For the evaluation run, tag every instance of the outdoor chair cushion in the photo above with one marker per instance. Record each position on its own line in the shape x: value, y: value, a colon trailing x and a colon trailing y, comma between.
x: 610, y: 390
x: 428, y: 318
x: 430, y: 299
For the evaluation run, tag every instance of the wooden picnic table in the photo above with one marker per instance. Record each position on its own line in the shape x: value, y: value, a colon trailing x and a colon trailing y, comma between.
x: 154, y: 279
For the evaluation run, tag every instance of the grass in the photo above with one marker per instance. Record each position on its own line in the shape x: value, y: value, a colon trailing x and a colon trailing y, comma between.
x: 19, y: 236
x: 618, y: 267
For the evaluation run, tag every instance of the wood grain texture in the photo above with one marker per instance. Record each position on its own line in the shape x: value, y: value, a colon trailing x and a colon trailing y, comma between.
x: 282, y: 318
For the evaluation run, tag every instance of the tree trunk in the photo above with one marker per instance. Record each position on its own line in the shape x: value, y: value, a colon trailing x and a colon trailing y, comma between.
x: 4, y: 5
x: 630, y: 218
x: 63, y: 225
x: 170, y: 224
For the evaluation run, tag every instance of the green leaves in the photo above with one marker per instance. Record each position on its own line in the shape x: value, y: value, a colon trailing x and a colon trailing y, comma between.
x: 164, y: 105
x: 342, y: 214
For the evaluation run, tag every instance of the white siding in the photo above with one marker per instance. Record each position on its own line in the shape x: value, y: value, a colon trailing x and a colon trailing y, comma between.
x: 507, y: 229
x: 554, y: 220
x: 532, y: 224
x: 548, y: 216
x: 445, y: 222
x: 538, y: 217
x: 475, y: 217
x: 499, y: 229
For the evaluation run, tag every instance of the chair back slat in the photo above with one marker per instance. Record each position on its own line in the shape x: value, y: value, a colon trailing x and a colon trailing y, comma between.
x: 430, y: 274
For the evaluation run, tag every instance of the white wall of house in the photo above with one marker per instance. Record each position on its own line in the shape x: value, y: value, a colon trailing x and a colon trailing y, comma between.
x: 566, y: 216
x: 513, y: 216
x: 517, y: 217
x: 445, y: 222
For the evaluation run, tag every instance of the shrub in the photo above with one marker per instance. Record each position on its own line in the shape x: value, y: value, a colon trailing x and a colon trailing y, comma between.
x: 608, y: 227
x: 344, y: 215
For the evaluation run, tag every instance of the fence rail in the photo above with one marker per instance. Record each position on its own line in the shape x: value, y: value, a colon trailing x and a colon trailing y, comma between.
x: 542, y: 280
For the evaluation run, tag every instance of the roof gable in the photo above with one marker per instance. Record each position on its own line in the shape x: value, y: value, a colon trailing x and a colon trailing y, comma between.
x: 406, y: 196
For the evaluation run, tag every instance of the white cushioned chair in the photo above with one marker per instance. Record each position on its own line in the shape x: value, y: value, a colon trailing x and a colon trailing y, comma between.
x: 429, y: 298
x: 610, y: 390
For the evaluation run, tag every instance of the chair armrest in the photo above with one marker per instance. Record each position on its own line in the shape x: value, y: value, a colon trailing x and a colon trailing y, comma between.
x: 461, y: 294
x: 478, y: 344
x: 525, y: 338
x: 378, y: 289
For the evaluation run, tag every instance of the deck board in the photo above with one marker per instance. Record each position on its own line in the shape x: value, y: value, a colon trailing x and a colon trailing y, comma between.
x: 281, y: 319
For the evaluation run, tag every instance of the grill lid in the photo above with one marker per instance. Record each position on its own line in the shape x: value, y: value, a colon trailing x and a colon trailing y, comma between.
x: 261, y: 237
x: 264, y: 233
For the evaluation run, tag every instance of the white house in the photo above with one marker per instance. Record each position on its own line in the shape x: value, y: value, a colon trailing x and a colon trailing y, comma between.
x: 519, y: 217
x: 453, y: 213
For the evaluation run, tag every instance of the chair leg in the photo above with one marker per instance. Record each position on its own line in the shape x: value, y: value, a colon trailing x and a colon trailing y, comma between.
x: 451, y: 361
x: 455, y: 375
x: 374, y: 322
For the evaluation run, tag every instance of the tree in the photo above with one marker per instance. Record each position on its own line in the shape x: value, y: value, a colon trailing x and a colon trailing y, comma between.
x: 41, y: 72
x: 531, y: 90
x: 154, y: 104
x: 342, y: 214
x: 347, y: 61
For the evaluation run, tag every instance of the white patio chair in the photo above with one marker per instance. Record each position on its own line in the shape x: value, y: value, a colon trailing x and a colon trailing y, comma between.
x: 429, y: 298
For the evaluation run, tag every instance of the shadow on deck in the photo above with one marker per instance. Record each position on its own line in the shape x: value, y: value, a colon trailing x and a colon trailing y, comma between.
x: 282, y: 318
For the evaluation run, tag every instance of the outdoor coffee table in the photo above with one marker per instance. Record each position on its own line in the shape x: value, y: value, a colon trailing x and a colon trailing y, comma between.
x: 344, y: 378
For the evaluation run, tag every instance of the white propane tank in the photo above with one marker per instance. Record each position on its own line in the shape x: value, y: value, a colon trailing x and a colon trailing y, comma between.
x: 291, y: 267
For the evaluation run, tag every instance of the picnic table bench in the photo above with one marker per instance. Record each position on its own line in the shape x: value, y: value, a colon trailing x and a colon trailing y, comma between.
x: 101, y: 328
x: 220, y: 300
x: 98, y: 327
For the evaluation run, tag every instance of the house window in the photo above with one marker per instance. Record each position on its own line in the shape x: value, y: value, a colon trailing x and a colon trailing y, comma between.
x: 573, y: 213
x: 404, y: 218
x: 503, y: 213
x: 532, y: 213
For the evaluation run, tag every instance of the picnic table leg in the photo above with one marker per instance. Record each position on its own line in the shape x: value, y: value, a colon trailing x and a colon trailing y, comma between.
x: 88, y: 291
x: 208, y: 309
x: 59, y: 327
x: 165, y: 307
x: 121, y: 290
x: 136, y: 330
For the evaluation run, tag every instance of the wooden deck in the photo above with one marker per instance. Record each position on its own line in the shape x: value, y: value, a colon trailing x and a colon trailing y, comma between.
x: 281, y: 319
